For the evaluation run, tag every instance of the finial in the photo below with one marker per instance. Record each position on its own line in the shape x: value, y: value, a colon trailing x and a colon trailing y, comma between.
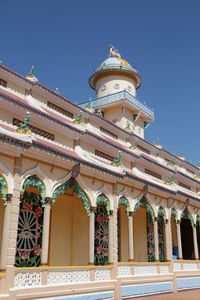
x: 114, y: 52
x: 30, y: 73
x: 57, y: 91
x: 78, y: 120
x: 170, y: 180
x: 116, y: 162
x: 1, y: 62
x: 24, y: 126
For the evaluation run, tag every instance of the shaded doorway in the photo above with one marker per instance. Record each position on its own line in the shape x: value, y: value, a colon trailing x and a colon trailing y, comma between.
x: 187, y: 239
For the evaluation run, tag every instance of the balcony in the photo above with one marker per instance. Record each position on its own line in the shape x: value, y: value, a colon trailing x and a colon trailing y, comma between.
x: 123, y: 95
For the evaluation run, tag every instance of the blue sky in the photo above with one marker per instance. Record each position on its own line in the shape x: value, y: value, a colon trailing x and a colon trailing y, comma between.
x: 66, y: 40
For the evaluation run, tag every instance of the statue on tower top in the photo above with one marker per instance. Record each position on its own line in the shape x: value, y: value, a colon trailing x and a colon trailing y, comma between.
x: 114, y: 52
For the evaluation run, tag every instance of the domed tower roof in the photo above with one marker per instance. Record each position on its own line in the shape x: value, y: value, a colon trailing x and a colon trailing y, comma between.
x: 114, y: 65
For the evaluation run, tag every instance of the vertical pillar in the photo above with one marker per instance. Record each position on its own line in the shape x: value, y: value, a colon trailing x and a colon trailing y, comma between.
x: 130, y: 237
x: 5, y: 233
x: 196, y: 251
x: 110, y: 238
x: 91, y: 236
x: 178, y: 228
x: 46, y: 227
x: 168, y: 244
x: 155, y: 229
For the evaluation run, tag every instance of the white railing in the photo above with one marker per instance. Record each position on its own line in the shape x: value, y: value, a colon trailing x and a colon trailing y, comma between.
x: 51, y: 276
x: 184, y: 265
x: 143, y: 269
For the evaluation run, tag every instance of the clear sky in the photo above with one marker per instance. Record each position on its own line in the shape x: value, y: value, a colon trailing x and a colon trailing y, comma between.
x: 66, y: 40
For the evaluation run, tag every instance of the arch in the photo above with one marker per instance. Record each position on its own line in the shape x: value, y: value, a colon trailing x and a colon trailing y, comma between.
x: 185, y: 213
x: 37, y: 171
x: 144, y: 202
x: 162, y: 213
x: 72, y: 184
x: 8, y: 178
x: 124, y: 201
x: 35, y: 181
x: 3, y: 189
x: 103, y: 199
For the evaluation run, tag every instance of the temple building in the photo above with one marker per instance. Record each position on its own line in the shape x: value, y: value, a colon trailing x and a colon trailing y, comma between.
x: 88, y: 207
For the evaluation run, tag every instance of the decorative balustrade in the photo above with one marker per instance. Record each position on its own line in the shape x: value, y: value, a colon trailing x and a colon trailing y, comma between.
x: 50, y: 276
x: 184, y: 265
x: 143, y: 269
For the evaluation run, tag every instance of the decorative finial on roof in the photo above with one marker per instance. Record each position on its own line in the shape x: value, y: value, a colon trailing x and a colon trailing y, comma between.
x: 116, y: 162
x: 1, y: 63
x: 114, y: 52
x: 57, y: 91
x: 31, y: 75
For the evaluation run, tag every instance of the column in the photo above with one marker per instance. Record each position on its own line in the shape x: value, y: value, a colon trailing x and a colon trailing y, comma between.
x: 155, y: 229
x: 178, y: 228
x: 130, y: 237
x: 168, y: 244
x: 5, y: 233
x: 196, y: 251
x: 91, y: 236
x: 110, y: 238
x: 45, y: 235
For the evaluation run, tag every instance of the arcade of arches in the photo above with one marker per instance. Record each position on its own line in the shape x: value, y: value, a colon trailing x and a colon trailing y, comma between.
x: 66, y: 230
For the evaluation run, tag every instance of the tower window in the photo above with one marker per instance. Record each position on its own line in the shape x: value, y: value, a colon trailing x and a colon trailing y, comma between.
x: 116, y: 86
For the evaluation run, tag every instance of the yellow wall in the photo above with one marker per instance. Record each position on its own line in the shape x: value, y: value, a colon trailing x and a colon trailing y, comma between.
x: 140, y: 235
x: 69, y: 232
x: 123, y: 233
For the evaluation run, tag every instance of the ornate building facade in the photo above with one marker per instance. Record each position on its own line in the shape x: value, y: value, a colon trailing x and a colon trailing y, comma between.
x: 88, y: 207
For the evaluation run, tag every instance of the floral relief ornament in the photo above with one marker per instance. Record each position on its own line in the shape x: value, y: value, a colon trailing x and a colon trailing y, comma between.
x: 24, y: 126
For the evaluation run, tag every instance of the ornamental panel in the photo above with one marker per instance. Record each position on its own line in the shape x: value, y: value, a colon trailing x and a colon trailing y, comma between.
x: 67, y: 277
x: 3, y: 189
x: 102, y: 275
x: 101, y: 235
x: 143, y: 270
x: 29, y: 234
x: 27, y: 279
x: 124, y: 271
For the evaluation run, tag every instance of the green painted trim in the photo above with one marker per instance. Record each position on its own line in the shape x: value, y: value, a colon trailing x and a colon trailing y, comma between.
x: 73, y: 185
x: 3, y: 189
x: 144, y: 202
x: 185, y: 213
x: 34, y: 181
x: 103, y: 199
x: 123, y: 201
x: 161, y: 212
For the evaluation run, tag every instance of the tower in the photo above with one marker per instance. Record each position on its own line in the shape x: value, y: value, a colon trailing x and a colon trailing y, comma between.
x: 115, y: 82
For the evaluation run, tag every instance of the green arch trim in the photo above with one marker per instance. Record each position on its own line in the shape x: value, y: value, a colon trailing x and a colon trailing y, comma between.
x: 34, y: 181
x: 174, y: 213
x: 144, y: 202
x: 3, y: 189
x: 123, y: 201
x: 185, y: 213
x: 73, y: 185
x: 103, y: 199
x: 162, y: 212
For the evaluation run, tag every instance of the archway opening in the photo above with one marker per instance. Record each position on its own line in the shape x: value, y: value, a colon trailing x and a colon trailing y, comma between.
x: 187, y: 239
x: 122, y: 234
x: 69, y: 231
x: 144, y: 249
x: 30, y: 223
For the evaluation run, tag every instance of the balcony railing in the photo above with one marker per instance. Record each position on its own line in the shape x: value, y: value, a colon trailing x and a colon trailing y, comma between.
x: 123, y: 95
